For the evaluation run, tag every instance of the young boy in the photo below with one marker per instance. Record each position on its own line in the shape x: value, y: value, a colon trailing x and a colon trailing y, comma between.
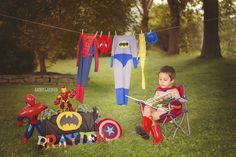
x: 166, y: 77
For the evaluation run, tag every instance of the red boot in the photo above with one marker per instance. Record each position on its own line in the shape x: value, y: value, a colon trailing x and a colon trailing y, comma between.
x: 145, y: 129
x: 157, y: 134
x: 77, y: 92
x: 81, y: 94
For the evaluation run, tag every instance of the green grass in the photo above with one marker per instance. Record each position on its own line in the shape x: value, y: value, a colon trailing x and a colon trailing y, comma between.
x: 210, y: 87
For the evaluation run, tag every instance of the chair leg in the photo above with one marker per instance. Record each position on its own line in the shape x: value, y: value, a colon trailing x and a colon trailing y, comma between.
x: 165, y: 129
x: 178, y: 126
x: 187, y: 118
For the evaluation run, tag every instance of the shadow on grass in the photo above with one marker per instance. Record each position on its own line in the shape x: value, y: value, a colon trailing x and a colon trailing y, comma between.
x: 212, y: 89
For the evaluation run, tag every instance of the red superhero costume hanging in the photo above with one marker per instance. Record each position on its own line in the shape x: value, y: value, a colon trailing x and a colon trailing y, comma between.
x: 86, y: 49
x: 31, y: 112
x: 104, y: 44
x: 63, y: 97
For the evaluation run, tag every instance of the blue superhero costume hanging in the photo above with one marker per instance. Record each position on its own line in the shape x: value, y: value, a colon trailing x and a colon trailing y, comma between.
x: 123, y: 55
x: 151, y: 38
x: 86, y: 49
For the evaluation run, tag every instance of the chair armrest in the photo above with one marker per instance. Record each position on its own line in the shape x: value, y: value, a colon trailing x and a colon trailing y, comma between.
x: 181, y: 100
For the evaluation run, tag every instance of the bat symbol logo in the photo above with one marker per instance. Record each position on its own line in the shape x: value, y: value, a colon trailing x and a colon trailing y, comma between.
x: 124, y: 44
x: 70, y: 120
x: 67, y: 121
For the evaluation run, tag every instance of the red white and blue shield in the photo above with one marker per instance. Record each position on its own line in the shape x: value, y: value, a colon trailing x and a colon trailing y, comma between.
x: 109, y: 129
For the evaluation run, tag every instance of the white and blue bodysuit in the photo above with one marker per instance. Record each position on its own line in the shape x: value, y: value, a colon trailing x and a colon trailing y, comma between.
x: 123, y: 55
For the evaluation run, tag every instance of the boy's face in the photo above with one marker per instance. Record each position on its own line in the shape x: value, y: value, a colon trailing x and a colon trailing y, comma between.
x: 165, y: 80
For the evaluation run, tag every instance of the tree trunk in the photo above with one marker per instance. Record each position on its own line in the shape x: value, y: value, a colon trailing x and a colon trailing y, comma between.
x: 145, y: 17
x: 211, y: 41
x: 173, y: 46
x: 42, y: 65
x: 174, y: 34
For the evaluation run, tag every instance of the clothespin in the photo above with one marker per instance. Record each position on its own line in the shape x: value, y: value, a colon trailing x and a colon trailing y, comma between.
x: 82, y: 31
x: 115, y: 33
x: 141, y: 31
x: 101, y: 34
x: 133, y: 33
x: 96, y: 33
x: 108, y: 34
x: 150, y: 30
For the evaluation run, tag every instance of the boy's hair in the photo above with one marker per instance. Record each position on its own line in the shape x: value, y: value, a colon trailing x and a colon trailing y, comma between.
x: 169, y: 70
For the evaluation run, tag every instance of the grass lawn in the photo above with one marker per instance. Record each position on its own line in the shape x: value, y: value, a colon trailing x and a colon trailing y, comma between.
x: 210, y: 86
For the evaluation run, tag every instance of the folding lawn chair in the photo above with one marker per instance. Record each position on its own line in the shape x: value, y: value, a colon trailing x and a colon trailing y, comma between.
x: 176, y: 117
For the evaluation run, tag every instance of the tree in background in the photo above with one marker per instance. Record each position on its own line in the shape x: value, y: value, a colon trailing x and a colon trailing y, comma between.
x: 48, y: 43
x: 143, y: 8
x: 211, y: 41
x: 176, y: 7
x: 190, y: 28
x: 227, y: 27
x: 159, y: 22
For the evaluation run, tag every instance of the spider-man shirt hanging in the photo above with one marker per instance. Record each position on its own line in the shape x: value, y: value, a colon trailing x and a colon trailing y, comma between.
x: 86, y: 49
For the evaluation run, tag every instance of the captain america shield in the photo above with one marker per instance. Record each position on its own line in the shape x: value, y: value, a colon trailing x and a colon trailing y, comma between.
x: 109, y: 129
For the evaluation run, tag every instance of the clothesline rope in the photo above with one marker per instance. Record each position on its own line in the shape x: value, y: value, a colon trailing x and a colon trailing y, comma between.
x: 74, y: 31
x: 37, y: 23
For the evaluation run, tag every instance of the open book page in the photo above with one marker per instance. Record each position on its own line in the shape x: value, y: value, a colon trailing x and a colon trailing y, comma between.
x: 155, y: 102
x: 139, y: 101
x: 161, y: 99
x: 135, y: 99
